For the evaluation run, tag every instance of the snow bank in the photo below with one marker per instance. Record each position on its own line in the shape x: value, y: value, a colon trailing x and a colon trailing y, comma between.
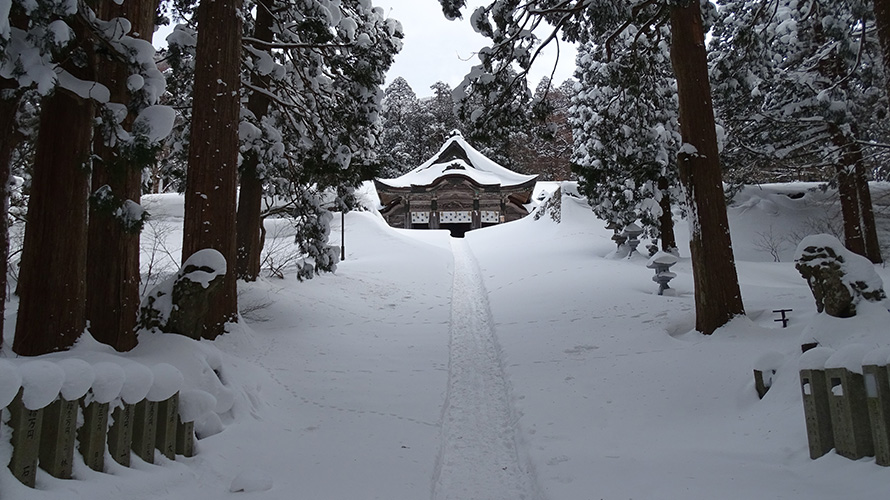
x: 250, y: 481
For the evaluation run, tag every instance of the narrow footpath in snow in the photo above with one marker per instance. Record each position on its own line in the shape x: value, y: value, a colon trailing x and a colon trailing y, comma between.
x: 478, y: 458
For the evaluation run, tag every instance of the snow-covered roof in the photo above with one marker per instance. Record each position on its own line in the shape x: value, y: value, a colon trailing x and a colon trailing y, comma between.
x: 457, y: 157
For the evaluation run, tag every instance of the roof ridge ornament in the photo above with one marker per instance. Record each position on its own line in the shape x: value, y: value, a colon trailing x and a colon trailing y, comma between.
x: 455, y: 133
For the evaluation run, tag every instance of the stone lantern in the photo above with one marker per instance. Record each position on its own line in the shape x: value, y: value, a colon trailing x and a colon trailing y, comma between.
x: 632, y: 232
x: 661, y: 262
x: 617, y: 236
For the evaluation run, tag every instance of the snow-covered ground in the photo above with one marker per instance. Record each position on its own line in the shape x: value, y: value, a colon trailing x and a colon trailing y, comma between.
x: 523, y: 362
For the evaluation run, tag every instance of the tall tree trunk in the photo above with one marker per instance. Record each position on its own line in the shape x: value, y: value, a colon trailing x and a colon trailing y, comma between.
x: 666, y: 221
x: 251, y: 195
x: 860, y: 233
x: 112, y: 251
x: 9, y: 139
x: 867, y: 216
x: 849, y: 200
x: 211, y: 184
x: 882, y: 23
x: 717, y: 294
x: 52, y: 277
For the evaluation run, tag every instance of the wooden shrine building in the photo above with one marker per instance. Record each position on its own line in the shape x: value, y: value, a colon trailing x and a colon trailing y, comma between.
x: 457, y: 189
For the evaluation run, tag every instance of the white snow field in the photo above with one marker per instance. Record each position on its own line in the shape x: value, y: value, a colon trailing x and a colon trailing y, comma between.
x: 525, y: 361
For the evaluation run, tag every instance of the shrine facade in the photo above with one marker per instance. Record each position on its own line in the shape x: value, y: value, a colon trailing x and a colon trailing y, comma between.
x: 458, y: 189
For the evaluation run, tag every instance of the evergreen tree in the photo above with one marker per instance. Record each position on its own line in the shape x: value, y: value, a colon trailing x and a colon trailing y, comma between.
x: 626, y: 130
x: 49, y: 48
x: 211, y: 183
x: 115, y: 218
x: 321, y: 64
x: 511, y: 27
x: 814, y: 74
x: 400, y: 111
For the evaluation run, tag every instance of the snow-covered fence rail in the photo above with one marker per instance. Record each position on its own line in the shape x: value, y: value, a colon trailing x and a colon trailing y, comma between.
x: 52, y: 411
x: 846, y: 399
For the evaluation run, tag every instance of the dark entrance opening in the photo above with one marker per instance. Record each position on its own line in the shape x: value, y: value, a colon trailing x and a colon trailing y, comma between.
x: 458, y: 230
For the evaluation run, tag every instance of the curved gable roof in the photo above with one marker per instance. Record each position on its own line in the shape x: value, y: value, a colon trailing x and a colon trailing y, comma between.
x: 457, y: 157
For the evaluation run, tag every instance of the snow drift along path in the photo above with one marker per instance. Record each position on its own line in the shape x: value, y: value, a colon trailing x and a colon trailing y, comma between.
x: 478, y: 458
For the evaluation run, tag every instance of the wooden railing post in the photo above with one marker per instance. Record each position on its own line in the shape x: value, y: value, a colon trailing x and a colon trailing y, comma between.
x: 145, y: 430
x: 26, y: 425
x: 57, y: 438
x: 93, y: 433
x: 168, y: 417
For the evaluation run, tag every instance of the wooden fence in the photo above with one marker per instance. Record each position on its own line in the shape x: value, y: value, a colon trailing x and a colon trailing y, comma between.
x: 117, y: 418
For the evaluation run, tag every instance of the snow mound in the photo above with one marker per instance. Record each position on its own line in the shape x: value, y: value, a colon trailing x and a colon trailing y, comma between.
x: 108, y: 383
x: 138, y: 381
x: 10, y: 382
x: 79, y: 377
x: 41, y: 383
x: 849, y: 357
x: 167, y: 382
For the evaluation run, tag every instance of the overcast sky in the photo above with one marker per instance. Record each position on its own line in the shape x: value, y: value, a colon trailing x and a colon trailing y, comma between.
x: 436, y: 49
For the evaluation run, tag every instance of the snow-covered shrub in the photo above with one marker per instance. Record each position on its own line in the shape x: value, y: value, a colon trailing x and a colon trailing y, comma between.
x: 838, y: 278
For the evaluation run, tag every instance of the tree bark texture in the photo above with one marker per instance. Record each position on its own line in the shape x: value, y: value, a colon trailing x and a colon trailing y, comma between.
x: 882, y: 23
x: 250, y: 198
x: 113, y: 252
x: 860, y: 232
x: 52, y: 277
x: 666, y: 221
x: 717, y: 295
x: 212, y: 177
x: 9, y: 140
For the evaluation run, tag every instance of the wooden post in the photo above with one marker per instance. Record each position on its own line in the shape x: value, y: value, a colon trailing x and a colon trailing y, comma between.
x: 877, y: 393
x: 93, y: 434
x: 145, y: 430
x: 849, y: 414
x: 26, y: 425
x: 168, y: 417
x: 820, y: 435
x: 120, y: 434
x: 185, y: 438
x: 57, y: 438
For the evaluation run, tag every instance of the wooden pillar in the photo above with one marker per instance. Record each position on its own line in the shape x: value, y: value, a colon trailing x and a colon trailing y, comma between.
x: 26, y: 425
x: 145, y: 430
x: 167, y: 418
x: 120, y: 434
x: 57, y: 438
x: 92, y: 435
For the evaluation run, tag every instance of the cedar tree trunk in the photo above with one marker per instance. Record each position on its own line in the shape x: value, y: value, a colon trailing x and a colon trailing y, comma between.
x: 52, y: 278
x: 211, y: 184
x: 717, y: 295
x: 250, y: 197
x: 882, y: 23
x: 666, y: 221
x: 112, y: 251
x: 860, y: 233
x: 9, y: 139
x: 867, y: 215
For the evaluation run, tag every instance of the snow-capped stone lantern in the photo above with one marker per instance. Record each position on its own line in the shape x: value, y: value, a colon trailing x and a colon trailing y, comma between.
x: 617, y: 236
x: 632, y: 232
x: 661, y: 262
